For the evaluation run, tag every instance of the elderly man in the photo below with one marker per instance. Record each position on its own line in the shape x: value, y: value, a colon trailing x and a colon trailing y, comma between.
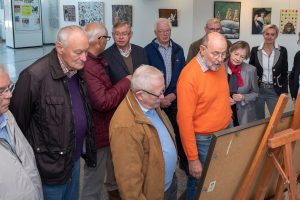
x: 142, y: 140
x: 51, y: 107
x: 18, y: 171
x: 123, y: 57
x: 105, y: 98
x: 212, y: 25
x: 167, y: 56
x: 203, y: 104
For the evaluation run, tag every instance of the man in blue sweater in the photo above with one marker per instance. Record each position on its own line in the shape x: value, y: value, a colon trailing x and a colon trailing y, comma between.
x: 164, y: 54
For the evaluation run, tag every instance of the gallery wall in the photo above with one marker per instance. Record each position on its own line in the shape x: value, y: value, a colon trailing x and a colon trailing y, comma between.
x: 192, y: 16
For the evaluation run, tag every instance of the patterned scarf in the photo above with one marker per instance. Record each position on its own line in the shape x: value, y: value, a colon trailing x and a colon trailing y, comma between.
x: 236, y: 70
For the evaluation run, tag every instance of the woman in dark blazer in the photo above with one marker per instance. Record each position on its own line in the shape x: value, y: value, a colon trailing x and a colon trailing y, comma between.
x: 294, y: 77
x: 271, y: 62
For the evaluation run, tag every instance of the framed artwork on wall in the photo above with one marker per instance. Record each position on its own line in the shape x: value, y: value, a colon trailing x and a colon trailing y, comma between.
x: 69, y: 13
x: 229, y: 15
x: 260, y: 18
x: 170, y: 14
x: 288, y: 21
x: 90, y: 12
x: 121, y: 13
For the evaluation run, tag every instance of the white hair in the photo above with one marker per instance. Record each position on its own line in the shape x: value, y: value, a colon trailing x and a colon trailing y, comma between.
x: 162, y: 21
x: 143, y: 76
x: 94, y: 30
x: 65, y: 32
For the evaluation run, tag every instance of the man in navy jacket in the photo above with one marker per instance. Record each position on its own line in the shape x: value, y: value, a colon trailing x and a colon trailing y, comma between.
x: 164, y: 54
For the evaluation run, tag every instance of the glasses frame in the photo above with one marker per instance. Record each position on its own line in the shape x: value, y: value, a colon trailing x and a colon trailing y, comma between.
x: 10, y: 88
x: 121, y: 34
x: 105, y: 36
x: 155, y: 95
x: 215, y: 53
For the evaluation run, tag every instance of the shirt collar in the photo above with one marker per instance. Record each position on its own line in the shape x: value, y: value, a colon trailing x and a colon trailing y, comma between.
x: 3, y: 121
x: 125, y: 53
x: 160, y: 45
x: 67, y: 72
x: 201, y: 62
x: 261, y: 46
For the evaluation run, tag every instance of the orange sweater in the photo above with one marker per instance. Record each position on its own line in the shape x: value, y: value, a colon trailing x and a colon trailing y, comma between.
x: 203, y: 104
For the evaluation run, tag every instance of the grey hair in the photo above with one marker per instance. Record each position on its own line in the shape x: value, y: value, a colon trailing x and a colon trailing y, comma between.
x: 212, y: 21
x: 64, y: 33
x: 162, y: 21
x: 273, y: 26
x: 95, y: 32
x: 143, y: 76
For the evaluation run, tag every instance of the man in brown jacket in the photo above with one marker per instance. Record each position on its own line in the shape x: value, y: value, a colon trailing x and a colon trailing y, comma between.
x: 142, y: 141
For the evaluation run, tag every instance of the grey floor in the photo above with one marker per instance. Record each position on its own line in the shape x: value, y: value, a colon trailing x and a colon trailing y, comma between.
x: 15, y: 60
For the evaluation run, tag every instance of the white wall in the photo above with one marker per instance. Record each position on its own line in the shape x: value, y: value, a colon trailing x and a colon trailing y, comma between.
x: 192, y: 16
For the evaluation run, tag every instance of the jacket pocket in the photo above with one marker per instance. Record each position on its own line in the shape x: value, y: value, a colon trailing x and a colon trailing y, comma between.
x: 54, y: 110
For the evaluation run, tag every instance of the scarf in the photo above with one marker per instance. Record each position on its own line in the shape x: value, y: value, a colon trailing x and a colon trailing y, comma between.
x: 236, y: 70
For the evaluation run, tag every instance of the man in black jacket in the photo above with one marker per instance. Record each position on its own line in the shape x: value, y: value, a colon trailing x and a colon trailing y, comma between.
x: 51, y: 107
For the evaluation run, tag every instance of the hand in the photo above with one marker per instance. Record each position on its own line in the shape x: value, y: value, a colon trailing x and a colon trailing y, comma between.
x: 231, y: 101
x: 164, y: 103
x: 129, y: 77
x: 238, y: 97
x: 195, y: 168
x: 171, y: 97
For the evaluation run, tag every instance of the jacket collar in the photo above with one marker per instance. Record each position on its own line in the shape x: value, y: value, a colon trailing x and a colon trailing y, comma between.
x: 173, y: 44
x: 98, y: 59
x: 276, y: 52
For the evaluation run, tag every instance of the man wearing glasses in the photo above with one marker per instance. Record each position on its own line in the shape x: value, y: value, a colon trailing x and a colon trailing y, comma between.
x: 105, y: 98
x: 51, y: 106
x: 142, y: 140
x: 19, y: 175
x: 168, y: 56
x: 212, y: 25
x: 203, y: 104
x: 123, y: 57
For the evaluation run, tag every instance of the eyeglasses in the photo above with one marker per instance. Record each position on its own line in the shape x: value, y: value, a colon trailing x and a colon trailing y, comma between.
x: 164, y: 31
x: 124, y: 34
x: 217, y: 54
x: 214, y: 29
x: 161, y: 93
x: 10, y: 88
x: 104, y: 36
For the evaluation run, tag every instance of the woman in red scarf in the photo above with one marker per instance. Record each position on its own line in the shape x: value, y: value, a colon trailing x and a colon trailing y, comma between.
x: 242, y: 80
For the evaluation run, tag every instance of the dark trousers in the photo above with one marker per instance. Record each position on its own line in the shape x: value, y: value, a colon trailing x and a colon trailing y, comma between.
x: 171, y: 192
x: 171, y: 112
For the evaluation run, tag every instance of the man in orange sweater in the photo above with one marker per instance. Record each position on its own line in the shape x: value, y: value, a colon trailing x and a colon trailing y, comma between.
x: 203, y: 104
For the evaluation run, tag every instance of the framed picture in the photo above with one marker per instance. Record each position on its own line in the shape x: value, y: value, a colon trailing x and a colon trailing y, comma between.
x: 260, y: 18
x: 90, y: 12
x: 229, y: 15
x: 170, y: 14
x: 288, y: 21
x: 69, y: 13
x: 121, y: 13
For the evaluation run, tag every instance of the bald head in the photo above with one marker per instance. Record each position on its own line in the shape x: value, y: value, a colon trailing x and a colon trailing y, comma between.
x: 213, y: 50
x: 97, y: 35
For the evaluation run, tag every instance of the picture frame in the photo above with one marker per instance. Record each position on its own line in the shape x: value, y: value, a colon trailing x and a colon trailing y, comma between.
x: 170, y: 14
x: 121, y: 13
x: 260, y: 18
x: 229, y: 15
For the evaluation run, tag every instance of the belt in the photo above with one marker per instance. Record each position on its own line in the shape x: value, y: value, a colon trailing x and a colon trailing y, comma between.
x: 266, y: 85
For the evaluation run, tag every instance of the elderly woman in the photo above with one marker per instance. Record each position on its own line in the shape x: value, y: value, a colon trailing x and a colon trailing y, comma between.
x: 271, y: 63
x: 242, y: 79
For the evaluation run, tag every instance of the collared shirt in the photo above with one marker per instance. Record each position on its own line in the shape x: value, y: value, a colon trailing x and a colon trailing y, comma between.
x: 167, y: 144
x: 267, y: 63
x: 166, y: 54
x: 201, y: 62
x: 3, y: 130
x: 67, y: 72
x: 125, y: 53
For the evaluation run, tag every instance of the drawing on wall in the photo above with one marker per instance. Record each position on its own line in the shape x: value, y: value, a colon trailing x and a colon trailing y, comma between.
x: 170, y: 14
x: 229, y: 15
x: 260, y: 18
x: 69, y: 13
x: 27, y: 15
x: 121, y: 13
x: 90, y: 12
x: 288, y: 21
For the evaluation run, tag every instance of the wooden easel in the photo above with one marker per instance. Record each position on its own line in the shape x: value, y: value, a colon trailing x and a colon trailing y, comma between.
x: 279, y: 148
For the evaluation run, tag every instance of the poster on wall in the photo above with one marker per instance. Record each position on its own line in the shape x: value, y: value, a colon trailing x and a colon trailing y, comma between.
x: 27, y: 15
x: 170, y: 14
x: 69, y: 13
x: 288, y: 21
x: 260, y: 18
x: 90, y: 12
x: 229, y: 15
x: 121, y: 13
